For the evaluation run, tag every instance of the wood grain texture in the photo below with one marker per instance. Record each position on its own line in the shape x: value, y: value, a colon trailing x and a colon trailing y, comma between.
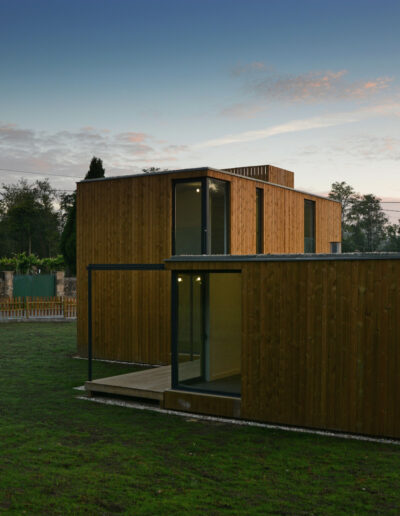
x: 129, y: 220
x: 320, y: 344
x: 276, y: 175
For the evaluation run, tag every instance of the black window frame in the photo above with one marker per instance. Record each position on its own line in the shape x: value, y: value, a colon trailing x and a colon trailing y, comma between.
x: 205, y: 222
x: 175, y: 385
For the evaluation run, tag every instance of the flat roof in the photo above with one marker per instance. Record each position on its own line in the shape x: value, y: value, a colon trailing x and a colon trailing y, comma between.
x: 203, y: 169
x: 284, y: 257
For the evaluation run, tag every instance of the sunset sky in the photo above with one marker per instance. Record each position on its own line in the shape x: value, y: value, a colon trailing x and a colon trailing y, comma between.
x: 311, y: 86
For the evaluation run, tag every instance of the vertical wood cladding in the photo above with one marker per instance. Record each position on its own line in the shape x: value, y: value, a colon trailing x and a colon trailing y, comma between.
x: 129, y: 220
x: 321, y: 344
x: 276, y: 175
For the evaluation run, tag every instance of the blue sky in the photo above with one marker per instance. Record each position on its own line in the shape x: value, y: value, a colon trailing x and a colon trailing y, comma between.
x: 312, y: 86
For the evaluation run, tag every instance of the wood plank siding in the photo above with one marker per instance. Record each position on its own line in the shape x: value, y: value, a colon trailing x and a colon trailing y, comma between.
x: 320, y: 342
x: 129, y: 220
x: 269, y: 173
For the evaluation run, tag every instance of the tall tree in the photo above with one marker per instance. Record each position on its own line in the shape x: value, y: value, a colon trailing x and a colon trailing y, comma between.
x: 364, y: 224
x: 68, y: 204
x: 28, y: 221
x: 368, y: 223
x: 346, y: 195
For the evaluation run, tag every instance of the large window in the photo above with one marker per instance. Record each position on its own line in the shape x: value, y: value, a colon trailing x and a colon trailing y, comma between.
x: 201, y: 217
x: 206, y: 352
x: 309, y: 226
x: 188, y: 217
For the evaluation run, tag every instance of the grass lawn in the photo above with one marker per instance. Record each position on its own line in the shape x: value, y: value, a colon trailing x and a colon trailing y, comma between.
x: 61, y: 455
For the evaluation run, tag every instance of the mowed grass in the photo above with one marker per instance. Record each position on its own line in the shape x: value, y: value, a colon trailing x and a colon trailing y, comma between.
x: 61, y: 455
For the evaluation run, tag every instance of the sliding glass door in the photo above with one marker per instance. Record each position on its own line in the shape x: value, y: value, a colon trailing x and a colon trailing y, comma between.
x: 200, y: 216
x: 206, y: 354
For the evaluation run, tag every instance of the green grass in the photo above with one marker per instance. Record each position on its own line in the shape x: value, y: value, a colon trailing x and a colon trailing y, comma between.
x: 61, y: 455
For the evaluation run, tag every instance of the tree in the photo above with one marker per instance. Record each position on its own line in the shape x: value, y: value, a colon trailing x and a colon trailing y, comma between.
x: 68, y: 205
x: 28, y: 221
x: 346, y: 195
x: 364, y: 224
x: 151, y: 169
x: 393, y: 238
x: 368, y: 223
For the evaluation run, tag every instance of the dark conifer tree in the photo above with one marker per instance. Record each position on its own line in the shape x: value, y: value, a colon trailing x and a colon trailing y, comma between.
x: 68, y: 237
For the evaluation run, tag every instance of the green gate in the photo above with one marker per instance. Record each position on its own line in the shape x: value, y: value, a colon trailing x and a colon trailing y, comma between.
x: 39, y: 285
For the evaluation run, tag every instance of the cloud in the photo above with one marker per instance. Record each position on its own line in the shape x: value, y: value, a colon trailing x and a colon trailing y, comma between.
x: 133, y: 137
x: 377, y: 148
x: 173, y: 149
x: 69, y: 152
x: 243, y: 69
x: 317, y: 122
x: 317, y: 86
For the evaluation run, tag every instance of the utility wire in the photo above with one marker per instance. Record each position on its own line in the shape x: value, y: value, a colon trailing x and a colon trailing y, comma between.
x: 38, y: 173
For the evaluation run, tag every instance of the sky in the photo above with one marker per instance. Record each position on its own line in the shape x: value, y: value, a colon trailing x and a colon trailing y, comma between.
x: 312, y: 86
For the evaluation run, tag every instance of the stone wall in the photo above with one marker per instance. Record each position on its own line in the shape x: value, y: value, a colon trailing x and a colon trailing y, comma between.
x: 6, y: 283
x: 70, y: 287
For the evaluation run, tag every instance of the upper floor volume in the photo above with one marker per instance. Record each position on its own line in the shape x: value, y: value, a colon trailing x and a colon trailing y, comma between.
x: 147, y: 218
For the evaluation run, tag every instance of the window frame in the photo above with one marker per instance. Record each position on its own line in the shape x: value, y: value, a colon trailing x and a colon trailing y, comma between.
x: 205, y: 216
x: 175, y: 385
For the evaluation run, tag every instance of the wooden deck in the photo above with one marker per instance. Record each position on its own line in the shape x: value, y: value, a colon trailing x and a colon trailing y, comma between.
x: 149, y: 384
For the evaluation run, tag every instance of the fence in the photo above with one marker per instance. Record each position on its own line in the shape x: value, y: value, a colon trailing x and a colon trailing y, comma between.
x: 38, y: 308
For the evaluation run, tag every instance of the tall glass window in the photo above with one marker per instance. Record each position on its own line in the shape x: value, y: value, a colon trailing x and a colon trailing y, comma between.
x: 217, y: 217
x: 259, y: 220
x: 201, y: 217
x: 309, y: 226
x: 207, y: 348
x: 188, y: 221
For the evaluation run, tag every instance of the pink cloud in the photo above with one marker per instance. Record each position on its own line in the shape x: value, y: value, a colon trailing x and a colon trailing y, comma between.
x: 133, y: 137
x: 318, y: 86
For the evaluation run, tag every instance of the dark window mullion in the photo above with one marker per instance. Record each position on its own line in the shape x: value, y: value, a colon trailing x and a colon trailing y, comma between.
x: 205, y: 218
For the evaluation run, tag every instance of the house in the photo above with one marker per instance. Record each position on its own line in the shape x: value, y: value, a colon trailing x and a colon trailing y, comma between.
x: 147, y: 218
x: 228, y: 278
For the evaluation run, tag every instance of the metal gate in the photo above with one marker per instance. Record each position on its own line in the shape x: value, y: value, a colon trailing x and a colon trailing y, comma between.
x: 38, y: 285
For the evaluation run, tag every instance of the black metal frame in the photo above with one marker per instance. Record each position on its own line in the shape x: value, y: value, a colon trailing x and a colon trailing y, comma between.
x: 174, y: 328
x: 110, y: 267
x: 205, y: 223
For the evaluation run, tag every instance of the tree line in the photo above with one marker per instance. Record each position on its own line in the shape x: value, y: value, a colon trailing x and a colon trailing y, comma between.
x: 365, y: 227
x: 36, y: 220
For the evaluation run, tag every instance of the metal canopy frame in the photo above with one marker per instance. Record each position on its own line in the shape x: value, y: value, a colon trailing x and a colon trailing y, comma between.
x: 110, y: 267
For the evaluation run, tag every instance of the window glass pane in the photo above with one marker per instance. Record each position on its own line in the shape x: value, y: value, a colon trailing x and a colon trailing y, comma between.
x: 217, y: 217
x: 259, y: 221
x: 188, y: 217
x: 309, y: 226
x: 190, y: 325
x: 209, y: 359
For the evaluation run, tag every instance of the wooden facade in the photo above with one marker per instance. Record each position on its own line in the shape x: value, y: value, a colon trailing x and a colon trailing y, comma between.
x: 320, y: 342
x: 129, y: 220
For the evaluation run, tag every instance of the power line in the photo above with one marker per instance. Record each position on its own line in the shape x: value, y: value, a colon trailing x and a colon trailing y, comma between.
x: 38, y: 173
